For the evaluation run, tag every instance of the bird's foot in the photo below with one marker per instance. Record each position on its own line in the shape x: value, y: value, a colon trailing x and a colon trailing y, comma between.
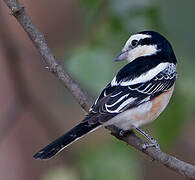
x: 123, y: 133
x: 153, y: 142
x: 117, y: 131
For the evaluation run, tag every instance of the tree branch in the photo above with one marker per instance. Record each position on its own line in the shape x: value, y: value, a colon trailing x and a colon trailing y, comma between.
x: 83, y: 99
x: 39, y: 42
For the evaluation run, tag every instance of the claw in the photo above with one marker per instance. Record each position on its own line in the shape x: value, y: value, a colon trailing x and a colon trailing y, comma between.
x: 123, y: 133
x: 153, y: 144
x: 153, y: 141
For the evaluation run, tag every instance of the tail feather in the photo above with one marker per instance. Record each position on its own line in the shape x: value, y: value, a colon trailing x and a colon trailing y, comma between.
x: 65, y: 140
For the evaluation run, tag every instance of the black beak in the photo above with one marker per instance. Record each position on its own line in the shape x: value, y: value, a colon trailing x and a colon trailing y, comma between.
x: 121, y: 56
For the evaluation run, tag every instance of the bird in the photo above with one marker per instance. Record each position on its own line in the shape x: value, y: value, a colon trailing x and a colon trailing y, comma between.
x: 136, y: 96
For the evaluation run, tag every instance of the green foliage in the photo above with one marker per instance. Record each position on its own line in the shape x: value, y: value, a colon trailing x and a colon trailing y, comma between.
x: 169, y: 123
x: 93, y: 67
x: 89, y: 4
x: 61, y: 173
x: 110, y: 161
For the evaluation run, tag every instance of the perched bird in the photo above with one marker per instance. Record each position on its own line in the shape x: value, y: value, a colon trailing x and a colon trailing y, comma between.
x: 136, y: 96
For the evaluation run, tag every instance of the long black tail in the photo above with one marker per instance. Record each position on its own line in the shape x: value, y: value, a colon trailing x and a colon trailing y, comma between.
x: 65, y: 140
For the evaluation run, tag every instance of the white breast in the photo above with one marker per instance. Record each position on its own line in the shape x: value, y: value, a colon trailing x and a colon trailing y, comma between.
x: 126, y: 120
x: 143, y: 114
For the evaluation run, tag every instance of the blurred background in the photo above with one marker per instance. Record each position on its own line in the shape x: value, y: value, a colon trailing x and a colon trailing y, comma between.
x: 86, y: 35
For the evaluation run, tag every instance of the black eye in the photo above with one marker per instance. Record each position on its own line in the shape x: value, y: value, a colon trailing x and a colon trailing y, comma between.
x: 134, y: 43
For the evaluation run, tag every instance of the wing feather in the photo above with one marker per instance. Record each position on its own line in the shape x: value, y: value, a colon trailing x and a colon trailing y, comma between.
x: 116, y: 99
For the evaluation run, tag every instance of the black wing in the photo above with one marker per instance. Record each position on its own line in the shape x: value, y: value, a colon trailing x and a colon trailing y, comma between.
x: 116, y: 99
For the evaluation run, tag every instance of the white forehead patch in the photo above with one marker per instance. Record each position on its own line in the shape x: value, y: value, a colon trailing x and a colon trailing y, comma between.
x: 135, y: 37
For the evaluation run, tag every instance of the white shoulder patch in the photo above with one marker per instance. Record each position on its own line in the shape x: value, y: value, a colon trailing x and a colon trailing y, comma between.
x: 145, y: 77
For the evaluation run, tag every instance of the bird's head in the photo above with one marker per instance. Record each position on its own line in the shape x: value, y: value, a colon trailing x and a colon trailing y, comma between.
x: 147, y: 43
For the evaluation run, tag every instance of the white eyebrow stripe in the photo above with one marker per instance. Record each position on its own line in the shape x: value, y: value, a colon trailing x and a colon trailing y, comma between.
x: 140, y: 36
x: 145, y: 77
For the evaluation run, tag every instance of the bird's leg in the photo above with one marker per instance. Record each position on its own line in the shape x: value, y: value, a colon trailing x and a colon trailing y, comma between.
x: 153, y: 141
x: 117, y: 131
x: 123, y: 133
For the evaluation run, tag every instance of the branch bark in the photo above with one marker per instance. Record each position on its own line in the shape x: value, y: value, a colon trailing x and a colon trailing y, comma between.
x: 53, y: 65
x: 83, y: 99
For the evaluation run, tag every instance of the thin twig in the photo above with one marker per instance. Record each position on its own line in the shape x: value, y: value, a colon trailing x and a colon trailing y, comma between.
x: 23, y: 99
x: 83, y: 99
x: 53, y: 65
